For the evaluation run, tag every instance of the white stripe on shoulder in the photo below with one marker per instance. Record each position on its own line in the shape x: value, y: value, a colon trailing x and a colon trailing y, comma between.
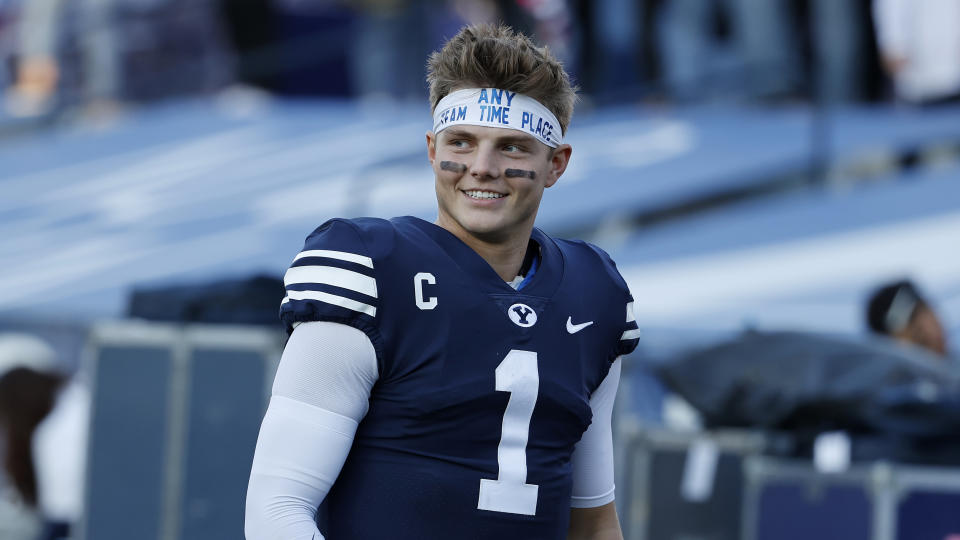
x: 333, y: 299
x: 630, y: 315
x: 341, y: 255
x: 631, y: 334
x: 331, y: 275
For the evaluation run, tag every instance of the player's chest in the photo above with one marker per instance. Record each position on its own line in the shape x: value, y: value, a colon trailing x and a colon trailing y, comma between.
x: 453, y: 345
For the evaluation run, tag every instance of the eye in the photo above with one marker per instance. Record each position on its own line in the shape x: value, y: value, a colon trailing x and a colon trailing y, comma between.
x: 513, y: 148
x: 459, y: 144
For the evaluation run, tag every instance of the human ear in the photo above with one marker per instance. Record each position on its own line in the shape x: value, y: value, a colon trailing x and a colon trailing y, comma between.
x: 559, y: 159
x: 431, y: 147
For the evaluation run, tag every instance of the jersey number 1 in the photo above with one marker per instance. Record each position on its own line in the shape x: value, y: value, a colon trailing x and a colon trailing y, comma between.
x: 510, y: 492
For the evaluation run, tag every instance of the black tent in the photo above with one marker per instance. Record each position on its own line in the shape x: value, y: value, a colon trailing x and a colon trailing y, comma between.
x: 807, y: 383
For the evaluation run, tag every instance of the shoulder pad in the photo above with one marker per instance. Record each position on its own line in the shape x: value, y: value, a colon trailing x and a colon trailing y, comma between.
x: 630, y: 336
x: 332, y: 279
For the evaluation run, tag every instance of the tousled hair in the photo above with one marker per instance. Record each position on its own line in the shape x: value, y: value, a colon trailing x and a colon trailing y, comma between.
x: 495, y: 56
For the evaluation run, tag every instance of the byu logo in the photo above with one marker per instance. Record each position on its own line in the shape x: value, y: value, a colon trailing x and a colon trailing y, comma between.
x: 522, y: 315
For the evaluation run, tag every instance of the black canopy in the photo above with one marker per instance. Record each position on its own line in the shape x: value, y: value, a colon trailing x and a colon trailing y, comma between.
x: 808, y: 381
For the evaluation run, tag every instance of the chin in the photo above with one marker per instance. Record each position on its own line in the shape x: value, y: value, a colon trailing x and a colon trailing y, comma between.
x: 485, y: 229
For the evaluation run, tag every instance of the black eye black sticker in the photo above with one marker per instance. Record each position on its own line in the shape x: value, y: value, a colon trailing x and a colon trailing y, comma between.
x: 453, y: 166
x: 520, y: 173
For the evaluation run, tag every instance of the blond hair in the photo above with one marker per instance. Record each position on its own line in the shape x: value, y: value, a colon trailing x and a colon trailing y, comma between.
x: 495, y: 56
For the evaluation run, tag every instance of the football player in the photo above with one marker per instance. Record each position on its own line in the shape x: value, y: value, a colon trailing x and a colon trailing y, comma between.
x: 455, y: 379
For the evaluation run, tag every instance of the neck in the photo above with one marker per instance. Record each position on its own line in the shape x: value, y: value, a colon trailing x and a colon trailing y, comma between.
x: 505, y: 256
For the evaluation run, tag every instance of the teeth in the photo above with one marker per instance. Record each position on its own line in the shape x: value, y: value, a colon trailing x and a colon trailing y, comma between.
x: 477, y: 194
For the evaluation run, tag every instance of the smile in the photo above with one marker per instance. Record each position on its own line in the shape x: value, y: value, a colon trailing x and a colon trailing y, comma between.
x: 479, y: 194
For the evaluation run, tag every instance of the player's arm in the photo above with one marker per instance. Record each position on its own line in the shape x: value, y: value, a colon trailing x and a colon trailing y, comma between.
x: 320, y: 394
x: 598, y: 523
x: 593, y: 515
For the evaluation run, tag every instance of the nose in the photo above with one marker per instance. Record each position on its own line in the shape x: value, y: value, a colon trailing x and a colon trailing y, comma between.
x: 485, y: 164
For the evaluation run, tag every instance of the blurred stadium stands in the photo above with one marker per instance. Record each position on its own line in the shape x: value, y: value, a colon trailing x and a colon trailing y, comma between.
x: 722, y: 215
x: 806, y: 261
x: 189, y: 191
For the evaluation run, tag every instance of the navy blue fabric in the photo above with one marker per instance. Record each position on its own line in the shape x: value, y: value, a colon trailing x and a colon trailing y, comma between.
x: 435, y: 417
x: 55, y: 530
x: 795, y: 511
x: 928, y: 515
x: 340, y: 236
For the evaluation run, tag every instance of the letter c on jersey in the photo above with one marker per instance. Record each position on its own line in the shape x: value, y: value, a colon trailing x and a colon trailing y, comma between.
x: 418, y: 281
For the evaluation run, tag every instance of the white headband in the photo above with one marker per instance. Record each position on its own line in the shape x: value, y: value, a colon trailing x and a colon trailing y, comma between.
x: 493, y: 107
x: 901, y: 309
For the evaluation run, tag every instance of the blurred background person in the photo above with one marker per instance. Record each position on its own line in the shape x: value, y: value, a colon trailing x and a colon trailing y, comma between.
x: 19, y: 519
x: 39, y: 72
x: 250, y: 26
x: 840, y: 40
x: 44, y: 416
x: 8, y: 24
x: 392, y: 37
x: 899, y: 311
x: 920, y: 47
x: 771, y: 50
x: 97, y: 56
x: 762, y: 46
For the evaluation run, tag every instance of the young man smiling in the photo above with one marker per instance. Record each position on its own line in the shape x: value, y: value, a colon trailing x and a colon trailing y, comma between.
x: 453, y: 379
x: 483, y: 205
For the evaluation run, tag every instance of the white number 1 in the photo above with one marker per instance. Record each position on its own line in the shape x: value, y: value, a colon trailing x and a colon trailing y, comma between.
x: 510, y: 492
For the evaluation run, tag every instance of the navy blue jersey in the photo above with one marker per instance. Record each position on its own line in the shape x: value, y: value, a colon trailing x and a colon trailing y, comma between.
x: 483, y: 390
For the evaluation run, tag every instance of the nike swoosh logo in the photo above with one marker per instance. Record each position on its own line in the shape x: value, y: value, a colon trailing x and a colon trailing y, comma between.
x: 574, y: 328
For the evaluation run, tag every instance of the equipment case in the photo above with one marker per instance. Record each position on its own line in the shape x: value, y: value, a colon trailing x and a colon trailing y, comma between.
x: 174, y: 420
x: 678, y: 485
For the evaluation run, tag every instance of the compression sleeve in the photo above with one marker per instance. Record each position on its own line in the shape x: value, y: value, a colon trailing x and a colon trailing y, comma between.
x: 320, y: 394
x: 593, y: 456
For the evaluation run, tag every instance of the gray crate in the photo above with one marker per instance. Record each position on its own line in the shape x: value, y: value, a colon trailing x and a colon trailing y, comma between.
x: 790, y: 499
x: 654, y: 469
x: 175, y: 416
x: 924, y: 504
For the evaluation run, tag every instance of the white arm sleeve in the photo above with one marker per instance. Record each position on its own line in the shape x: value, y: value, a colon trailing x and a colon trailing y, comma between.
x: 320, y: 394
x: 593, y: 456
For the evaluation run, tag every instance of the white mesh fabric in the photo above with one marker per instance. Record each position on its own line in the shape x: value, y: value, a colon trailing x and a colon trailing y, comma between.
x: 328, y: 365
